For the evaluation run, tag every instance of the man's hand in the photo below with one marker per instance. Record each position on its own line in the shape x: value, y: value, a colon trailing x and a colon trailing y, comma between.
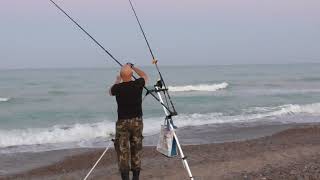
x: 141, y: 73
x: 130, y: 64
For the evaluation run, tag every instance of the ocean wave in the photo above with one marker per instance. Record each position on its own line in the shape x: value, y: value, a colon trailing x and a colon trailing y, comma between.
x: 4, y: 99
x: 56, y: 134
x: 84, y: 133
x: 200, y: 87
x: 313, y: 109
x: 295, y: 108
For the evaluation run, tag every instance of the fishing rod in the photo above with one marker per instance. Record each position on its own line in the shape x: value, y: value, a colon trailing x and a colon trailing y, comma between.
x: 158, y: 87
x: 155, y: 61
x: 107, y: 52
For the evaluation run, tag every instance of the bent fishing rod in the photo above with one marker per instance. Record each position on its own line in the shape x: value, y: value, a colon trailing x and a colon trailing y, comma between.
x: 107, y: 52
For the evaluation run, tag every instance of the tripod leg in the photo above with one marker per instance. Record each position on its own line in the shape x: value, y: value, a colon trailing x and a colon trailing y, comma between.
x: 183, y: 157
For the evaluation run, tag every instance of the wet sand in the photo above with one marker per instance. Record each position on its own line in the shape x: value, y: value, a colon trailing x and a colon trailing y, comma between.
x: 290, y: 154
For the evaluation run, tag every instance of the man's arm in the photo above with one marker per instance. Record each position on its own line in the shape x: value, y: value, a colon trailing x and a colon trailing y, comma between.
x: 141, y: 73
x: 118, y: 80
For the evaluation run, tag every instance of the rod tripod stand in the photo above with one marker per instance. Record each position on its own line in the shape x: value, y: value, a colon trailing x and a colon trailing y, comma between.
x: 158, y: 90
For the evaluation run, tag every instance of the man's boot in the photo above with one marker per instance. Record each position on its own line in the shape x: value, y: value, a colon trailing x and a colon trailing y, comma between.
x: 125, y: 175
x: 135, y: 174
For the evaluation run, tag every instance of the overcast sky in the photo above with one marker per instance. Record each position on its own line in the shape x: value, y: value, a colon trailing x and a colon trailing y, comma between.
x: 34, y: 34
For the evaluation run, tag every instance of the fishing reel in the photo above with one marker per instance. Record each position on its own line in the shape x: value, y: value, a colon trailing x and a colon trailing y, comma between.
x: 158, y: 88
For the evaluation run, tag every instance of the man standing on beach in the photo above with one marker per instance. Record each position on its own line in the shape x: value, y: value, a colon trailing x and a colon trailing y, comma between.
x: 129, y: 126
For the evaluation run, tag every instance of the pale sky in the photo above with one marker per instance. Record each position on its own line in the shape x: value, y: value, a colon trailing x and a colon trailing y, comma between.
x: 34, y: 34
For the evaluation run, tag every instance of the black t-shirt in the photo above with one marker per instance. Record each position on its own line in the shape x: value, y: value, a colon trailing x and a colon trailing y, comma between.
x: 129, y: 98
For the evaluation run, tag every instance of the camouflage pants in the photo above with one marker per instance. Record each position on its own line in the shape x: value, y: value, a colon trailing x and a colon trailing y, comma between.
x: 128, y: 143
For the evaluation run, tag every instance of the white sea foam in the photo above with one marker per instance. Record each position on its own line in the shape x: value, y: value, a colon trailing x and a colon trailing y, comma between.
x: 4, y: 99
x: 83, y: 133
x: 262, y: 112
x: 56, y: 134
x: 200, y: 87
x: 295, y: 109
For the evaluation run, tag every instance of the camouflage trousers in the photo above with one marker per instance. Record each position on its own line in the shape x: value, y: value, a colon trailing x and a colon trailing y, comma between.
x: 128, y: 143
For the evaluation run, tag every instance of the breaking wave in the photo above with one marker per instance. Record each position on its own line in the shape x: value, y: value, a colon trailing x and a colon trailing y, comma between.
x: 200, y: 87
x: 82, y: 133
x: 4, y: 99
x: 262, y: 113
x: 56, y: 134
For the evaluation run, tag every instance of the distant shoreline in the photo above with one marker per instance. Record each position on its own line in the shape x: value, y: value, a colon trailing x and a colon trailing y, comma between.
x: 162, y: 65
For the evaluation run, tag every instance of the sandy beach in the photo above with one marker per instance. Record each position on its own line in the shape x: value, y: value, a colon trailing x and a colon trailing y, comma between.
x: 293, y: 153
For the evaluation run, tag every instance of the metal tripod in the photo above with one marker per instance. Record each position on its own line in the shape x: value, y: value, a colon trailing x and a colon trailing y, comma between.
x: 158, y: 90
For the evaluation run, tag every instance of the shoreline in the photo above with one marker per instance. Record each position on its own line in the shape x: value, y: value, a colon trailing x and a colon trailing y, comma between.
x: 290, y: 153
x: 195, y: 135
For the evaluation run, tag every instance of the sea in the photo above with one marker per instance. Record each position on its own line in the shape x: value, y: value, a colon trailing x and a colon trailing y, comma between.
x: 50, y: 109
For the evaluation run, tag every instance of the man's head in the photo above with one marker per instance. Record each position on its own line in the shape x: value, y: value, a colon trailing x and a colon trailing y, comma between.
x: 126, y: 73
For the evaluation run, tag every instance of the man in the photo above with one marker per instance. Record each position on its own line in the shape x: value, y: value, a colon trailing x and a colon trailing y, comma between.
x: 129, y: 126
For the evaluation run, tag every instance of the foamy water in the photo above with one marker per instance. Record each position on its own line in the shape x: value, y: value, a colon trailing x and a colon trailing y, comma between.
x: 200, y: 87
x: 4, y: 99
x: 105, y: 129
